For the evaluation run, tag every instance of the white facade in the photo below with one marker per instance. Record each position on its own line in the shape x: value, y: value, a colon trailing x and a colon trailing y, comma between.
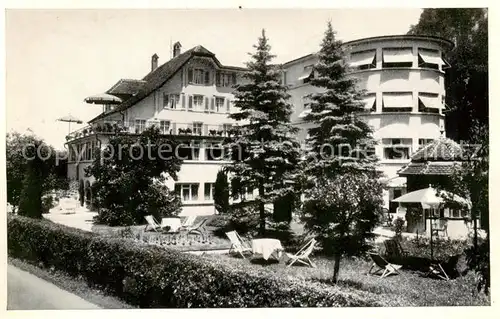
x: 197, y: 97
x: 403, y: 80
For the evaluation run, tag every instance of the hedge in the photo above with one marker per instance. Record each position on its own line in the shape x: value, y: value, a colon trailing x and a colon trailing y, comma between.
x: 154, y: 277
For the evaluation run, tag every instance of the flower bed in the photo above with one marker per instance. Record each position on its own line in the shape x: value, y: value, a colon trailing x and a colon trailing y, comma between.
x: 149, y: 276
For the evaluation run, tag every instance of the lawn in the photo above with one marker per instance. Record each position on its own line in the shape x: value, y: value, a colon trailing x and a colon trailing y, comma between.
x: 411, y: 288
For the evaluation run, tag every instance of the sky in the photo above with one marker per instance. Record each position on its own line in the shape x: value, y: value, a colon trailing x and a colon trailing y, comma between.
x: 56, y: 58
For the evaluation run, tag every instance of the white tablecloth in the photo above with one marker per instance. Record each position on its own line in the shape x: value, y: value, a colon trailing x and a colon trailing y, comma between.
x: 174, y: 223
x: 267, y: 247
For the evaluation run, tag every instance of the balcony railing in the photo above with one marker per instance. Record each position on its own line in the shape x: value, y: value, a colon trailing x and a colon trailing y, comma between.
x: 166, y: 127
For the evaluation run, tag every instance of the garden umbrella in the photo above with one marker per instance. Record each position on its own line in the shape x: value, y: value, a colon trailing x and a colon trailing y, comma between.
x: 429, y: 198
x: 70, y: 119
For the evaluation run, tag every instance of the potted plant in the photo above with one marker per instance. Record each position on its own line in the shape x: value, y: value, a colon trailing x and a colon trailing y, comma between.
x: 212, y: 132
x: 84, y: 132
x: 109, y: 127
x: 188, y: 131
x: 220, y: 133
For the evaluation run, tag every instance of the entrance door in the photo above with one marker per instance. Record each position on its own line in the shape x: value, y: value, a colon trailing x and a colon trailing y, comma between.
x: 414, y: 220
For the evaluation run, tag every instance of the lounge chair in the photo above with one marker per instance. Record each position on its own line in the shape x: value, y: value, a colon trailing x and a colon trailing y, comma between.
x: 198, y: 228
x: 383, y: 265
x: 238, y: 245
x: 302, y: 256
x: 188, y: 222
x: 152, y: 223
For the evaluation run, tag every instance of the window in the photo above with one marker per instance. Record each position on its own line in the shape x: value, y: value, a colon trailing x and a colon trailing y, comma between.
x: 397, y: 57
x: 370, y: 101
x: 170, y: 100
x: 225, y: 79
x: 307, y: 74
x: 306, y: 102
x: 197, y: 102
x: 226, y: 128
x: 189, y: 152
x: 108, y: 108
x: 248, y: 194
x: 219, y: 104
x: 165, y: 127
x: 209, y: 191
x: 187, y: 191
x: 214, y: 152
x: 397, y: 148
x: 140, y: 126
x: 284, y: 78
x: 197, y: 128
x: 424, y: 141
x: 429, y: 103
x: 397, y: 102
x: 198, y: 76
x: 363, y: 60
x: 429, y: 59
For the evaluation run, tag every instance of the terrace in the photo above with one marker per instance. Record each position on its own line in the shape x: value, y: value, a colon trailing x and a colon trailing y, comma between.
x: 192, y: 129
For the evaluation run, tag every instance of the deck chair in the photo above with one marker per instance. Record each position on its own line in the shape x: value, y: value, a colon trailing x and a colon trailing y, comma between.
x: 152, y: 223
x: 198, y: 228
x: 188, y: 222
x: 383, y: 266
x: 302, y: 256
x: 393, y: 248
x: 238, y: 245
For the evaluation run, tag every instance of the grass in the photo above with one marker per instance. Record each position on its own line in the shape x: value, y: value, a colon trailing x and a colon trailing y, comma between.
x: 74, y: 285
x: 412, y: 288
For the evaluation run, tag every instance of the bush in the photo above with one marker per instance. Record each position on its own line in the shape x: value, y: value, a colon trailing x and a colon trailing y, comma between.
x: 156, y: 277
x: 399, y: 224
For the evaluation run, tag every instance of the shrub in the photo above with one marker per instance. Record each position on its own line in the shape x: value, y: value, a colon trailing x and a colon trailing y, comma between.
x: 156, y: 277
x: 399, y: 224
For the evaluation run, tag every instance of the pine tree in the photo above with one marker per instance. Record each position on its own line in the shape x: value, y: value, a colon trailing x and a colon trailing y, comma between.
x: 343, y: 194
x: 265, y: 153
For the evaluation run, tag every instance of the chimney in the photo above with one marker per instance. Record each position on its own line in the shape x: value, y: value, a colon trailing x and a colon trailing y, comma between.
x: 177, y: 49
x: 154, y: 62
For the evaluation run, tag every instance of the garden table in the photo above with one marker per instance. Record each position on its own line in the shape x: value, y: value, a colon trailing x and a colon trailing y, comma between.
x: 172, y: 222
x: 267, y: 247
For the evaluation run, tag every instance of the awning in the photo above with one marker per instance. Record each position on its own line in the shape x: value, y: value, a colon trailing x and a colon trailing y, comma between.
x: 369, y: 100
x: 362, y: 58
x: 430, y: 101
x: 431, y: 57
x: 397, y: 55
x: 305, y: 75
x: 103, y: 98
x: 397, y: 100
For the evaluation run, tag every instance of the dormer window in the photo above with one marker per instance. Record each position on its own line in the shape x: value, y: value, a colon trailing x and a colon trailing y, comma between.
x: 225, y: 79
x: 199, y: 76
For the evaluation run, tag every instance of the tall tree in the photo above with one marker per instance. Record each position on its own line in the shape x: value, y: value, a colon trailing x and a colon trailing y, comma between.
x: 467, y: 79
x: 130, y: 175
x: 343, y: 194
x: 267, y: 145
x: 221, y: 193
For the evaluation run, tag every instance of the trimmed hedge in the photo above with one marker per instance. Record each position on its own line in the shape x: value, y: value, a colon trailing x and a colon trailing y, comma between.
x: 153, y: 277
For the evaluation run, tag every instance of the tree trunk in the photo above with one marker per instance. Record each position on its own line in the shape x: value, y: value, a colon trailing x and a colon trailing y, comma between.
x: 262, y: 211
x: 336, y: 268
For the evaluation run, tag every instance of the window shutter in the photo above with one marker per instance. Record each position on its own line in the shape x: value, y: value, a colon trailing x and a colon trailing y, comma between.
x: 205, y: 129
x: 174, y: 128
x: 228, y: 106
x: 190, y: 76
x: 207, y: 77
x: 234, y: 78
x: 213, y: 104
x: 190, y: 104
x: 206, y: 103
x: 165, y: 99
x: 183, y: 101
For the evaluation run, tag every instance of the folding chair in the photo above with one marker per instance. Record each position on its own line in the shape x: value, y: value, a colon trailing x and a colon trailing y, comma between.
x: 238, y: 245
x: 302, y: 256
x: 152, y: 223
x: 393, y: 248
x: 383, y: 265
x: 188, y: 222
x: 198, y: 228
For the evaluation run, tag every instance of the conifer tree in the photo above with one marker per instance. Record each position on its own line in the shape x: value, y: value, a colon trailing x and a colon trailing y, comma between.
x: 343, y: 194
x: 265, y: 152
x: 221, y: 193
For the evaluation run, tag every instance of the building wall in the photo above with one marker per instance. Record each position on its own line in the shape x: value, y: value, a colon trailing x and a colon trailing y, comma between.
x: 413, y: 79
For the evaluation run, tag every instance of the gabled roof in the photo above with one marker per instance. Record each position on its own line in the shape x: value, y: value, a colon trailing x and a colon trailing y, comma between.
x: 126, y: 87
x: 156, y: 78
